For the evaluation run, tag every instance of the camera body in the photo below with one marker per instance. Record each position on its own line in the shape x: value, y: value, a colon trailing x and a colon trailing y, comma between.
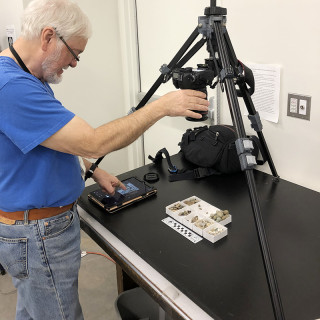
x: 195, y: 79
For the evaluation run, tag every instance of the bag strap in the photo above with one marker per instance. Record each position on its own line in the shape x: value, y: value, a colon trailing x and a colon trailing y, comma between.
x: 172, y: 168
x: 248, y: 79
x: 176, y: 174
x: 197, y: 173
x: 263, y: 154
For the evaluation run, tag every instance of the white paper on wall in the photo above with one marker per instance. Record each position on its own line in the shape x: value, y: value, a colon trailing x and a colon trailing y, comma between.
x: 266, y: 98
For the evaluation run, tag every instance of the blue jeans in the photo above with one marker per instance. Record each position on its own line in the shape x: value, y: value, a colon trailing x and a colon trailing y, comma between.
x: 43, y: 258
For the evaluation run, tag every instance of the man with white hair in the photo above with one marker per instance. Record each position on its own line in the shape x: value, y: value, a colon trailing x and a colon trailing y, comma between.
x: 40, y: 174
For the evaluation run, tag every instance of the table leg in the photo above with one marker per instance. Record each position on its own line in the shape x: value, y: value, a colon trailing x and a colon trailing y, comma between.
x: 124, y: 282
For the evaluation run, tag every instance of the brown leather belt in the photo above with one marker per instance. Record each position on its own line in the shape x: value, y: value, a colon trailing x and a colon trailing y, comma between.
x: 34, y: 214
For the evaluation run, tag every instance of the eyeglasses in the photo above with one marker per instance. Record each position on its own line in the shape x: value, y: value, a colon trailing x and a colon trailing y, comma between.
x: 71, y: 51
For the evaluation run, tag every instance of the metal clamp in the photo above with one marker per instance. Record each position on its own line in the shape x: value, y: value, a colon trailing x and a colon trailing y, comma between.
x: 256, y: 123
x: 166, y: 71
x: 244, y: 148
x: 205, y: 27
x: 226, y: 73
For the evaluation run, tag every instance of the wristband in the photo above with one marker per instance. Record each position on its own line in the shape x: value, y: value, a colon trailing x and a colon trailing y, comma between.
x: 89, y: 173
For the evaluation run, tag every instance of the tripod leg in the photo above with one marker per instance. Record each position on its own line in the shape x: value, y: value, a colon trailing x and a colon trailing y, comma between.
x: 251, y: 110
x: 191, y: 53
x: 171, y: 65
x: 249, y: 104
x: 237, y: 119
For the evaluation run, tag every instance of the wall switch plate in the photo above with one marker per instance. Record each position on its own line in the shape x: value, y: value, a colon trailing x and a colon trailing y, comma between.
x: 299, y: 106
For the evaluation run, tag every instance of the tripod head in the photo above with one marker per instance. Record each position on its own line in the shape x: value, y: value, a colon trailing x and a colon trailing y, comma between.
x: 200, y: 78
x: 203, y: 76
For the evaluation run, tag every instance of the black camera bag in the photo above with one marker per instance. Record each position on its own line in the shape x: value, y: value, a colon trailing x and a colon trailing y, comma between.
x: 212, y: 149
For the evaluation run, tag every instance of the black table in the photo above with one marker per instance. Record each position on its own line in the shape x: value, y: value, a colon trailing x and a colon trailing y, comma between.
x: 227, y: 279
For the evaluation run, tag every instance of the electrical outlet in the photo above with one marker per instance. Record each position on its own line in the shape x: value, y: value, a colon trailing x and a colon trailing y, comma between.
x: 299, y: 106
x: 303, y: 107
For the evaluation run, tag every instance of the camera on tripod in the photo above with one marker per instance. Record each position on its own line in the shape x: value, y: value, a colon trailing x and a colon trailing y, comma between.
x: 195, y: 79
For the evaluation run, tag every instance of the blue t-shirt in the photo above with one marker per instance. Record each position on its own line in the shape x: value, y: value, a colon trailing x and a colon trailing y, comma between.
x: 32, y: 176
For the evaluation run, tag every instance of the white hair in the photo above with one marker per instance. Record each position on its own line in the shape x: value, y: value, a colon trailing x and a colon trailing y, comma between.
x: 63, y: 15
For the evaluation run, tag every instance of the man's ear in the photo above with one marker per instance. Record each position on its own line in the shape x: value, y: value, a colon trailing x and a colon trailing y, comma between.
x: 47, y: 36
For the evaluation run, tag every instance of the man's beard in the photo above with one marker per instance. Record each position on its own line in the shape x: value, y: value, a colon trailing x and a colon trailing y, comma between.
x: 49, y: 67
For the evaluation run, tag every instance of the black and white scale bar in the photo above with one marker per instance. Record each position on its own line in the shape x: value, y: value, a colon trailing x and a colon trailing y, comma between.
x: 193, y: 237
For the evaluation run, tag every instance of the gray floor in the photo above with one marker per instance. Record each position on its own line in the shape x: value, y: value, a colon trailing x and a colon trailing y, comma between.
x: 97, y: 286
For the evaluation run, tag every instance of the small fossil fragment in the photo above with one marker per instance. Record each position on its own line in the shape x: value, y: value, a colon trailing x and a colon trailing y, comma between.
x: 184, y: 213
x: 203, y: 223
x: 194, y: 219
x: 215, y: 231
x: 176, y: 207
x: 219, y: 215
x: 191, y: 201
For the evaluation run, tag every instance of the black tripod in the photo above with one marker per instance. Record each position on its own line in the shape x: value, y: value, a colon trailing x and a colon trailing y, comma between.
x: 220, y: 44
x: 230, y: 73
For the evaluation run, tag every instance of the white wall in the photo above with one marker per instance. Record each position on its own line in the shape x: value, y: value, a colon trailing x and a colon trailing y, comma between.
x: 10, y: 12
x: 272, y: 32
x: 94, y: 89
